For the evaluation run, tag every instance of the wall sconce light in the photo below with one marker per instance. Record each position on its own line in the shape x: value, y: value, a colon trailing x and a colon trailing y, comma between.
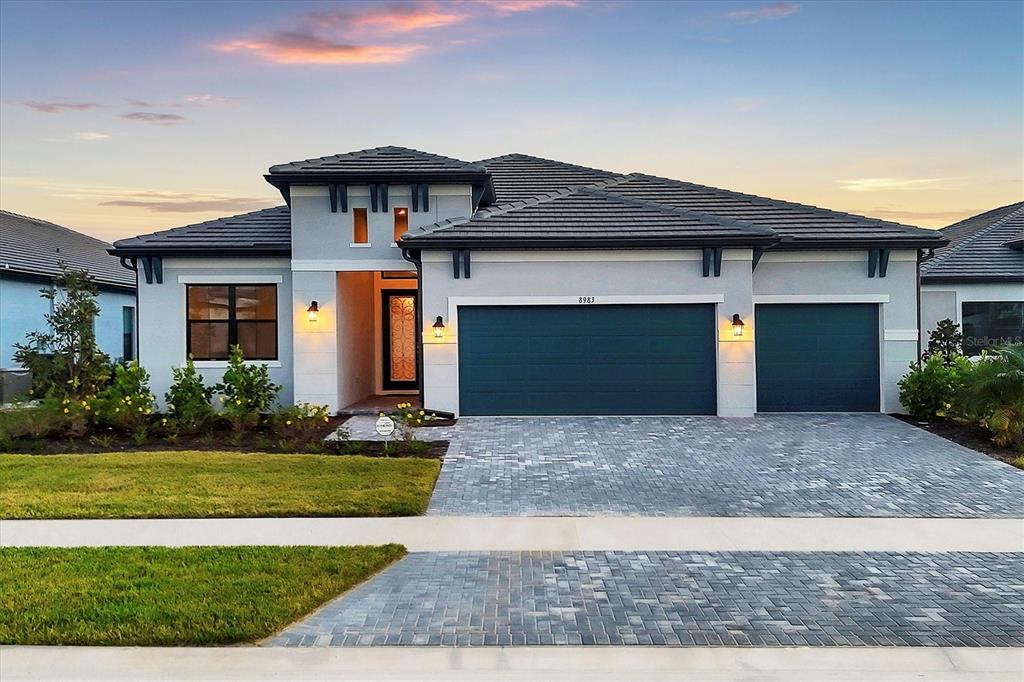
x: 737, y: 325
x: 438, y: 328
x: 313, y: 311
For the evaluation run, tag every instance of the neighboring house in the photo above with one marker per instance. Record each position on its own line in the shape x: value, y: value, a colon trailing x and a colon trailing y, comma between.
x: 518, y: 285
x: 32, y: 252
x: 978, y: 280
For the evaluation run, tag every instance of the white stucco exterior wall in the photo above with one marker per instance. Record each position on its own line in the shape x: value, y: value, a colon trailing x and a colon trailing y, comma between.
x: 561, y: 277
x: 841, y: 277
x: 162, y: 317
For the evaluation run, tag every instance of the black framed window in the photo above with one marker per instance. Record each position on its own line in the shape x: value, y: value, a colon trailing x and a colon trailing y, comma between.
x: 991, y: 323
x: 127, y: 333
x: 222, y: 315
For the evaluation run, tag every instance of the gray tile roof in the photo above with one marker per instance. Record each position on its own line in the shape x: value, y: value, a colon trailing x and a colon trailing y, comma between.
x: 34, y: 247
x: 985, y: 247
x: 379, y: 160
x: 793, y: 222
x: 518, y: 176
x: 520, y: 182
x: 266, y: 232
x: 593, y: 214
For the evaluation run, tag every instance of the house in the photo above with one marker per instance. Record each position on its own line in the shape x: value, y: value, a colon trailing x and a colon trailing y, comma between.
x: 978, y: 280
x: 523, y: 286
x: 32, y: 252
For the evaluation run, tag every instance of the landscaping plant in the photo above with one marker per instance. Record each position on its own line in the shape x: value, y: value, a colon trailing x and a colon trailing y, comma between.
x: 246, y: 391
x: 65, y: 360
x: 945, y: 341
x: 188, y: 400
x: 992, y: 393
x: 298, y: 426
x: 126, y: 404
x: 928, y: 389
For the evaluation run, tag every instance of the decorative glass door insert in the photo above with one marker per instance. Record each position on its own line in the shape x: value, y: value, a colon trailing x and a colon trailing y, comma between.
x: 399, y: 335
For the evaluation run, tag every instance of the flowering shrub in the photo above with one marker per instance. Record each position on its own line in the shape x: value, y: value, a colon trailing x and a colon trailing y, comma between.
x: 928, y: 389
x: 73, y: 417
x: 297, y: 426
x: 188, y: 400
x: 246, y: 391
x: 125, y: 404
x: 407, y: 418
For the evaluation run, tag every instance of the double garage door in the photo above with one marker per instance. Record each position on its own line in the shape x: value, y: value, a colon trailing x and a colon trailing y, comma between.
x: 659, y: 359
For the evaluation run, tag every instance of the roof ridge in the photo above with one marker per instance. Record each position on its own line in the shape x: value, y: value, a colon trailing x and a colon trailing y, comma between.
x: 783, y: 202
x: 953, y: 249
x: 547, y: 160
x: 371, y: 151
x: 1018, y: 204
x: 199, y: 224
x: 702, y: 216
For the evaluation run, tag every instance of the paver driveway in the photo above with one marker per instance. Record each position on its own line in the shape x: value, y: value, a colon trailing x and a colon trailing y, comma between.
x: 678, y: 599
x: 770, y: 465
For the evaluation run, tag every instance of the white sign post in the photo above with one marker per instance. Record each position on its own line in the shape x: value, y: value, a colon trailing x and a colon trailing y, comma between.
x: 385, y: 427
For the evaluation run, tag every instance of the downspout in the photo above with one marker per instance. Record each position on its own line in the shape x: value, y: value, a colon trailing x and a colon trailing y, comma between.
x: 414, y: 258
x: 134, y: 267
x: 921, y: 258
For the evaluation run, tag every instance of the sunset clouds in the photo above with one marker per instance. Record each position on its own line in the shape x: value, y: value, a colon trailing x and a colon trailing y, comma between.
x: 57, y: 105
x: 374, y: 34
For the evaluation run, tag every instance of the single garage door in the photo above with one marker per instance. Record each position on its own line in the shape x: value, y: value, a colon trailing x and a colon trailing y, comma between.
x: 817, y: 358
x: 587, y: 359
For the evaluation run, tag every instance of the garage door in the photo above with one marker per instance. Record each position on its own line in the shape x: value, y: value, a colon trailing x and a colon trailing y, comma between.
x: 584, y: 360
x: 817, y: 358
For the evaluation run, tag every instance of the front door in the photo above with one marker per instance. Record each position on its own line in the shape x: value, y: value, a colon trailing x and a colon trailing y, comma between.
x: 398, y: 331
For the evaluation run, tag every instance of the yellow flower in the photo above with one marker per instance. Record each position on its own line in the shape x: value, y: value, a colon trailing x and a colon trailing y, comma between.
x: 289, y: 422
x: 65, y: 410
x: 221, y: 398
x: 87, y: 407
x: 148, y: 411
x: 422, y: 413
x: 140, y: 409
x: 238, y: 402
x: 326, y: 420
x: 381, y: 414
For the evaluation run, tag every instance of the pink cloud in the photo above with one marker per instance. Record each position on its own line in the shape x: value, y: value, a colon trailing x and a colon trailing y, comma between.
x: 515, y: 6
x: 57, y: 105
x: 299, y: 48
x: 152, y: 117
x: 344, y: 36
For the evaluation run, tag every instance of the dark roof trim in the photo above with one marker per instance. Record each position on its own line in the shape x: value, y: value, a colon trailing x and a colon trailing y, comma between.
x: 845, y: 244
x: 587, y: 243
x: 971, y: 279
x: 188, y: 252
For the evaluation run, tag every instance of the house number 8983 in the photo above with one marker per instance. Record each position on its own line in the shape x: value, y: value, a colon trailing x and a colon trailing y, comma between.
x: 587, y: 299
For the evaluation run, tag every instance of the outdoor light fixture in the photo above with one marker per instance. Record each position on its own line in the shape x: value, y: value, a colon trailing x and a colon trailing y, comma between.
x: 737, y: 325
x: 438, y: 328
x: 313, y: 311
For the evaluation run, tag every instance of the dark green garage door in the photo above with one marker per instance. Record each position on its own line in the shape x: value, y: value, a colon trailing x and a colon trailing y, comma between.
x: 817, y: 358
x: 596, y: 359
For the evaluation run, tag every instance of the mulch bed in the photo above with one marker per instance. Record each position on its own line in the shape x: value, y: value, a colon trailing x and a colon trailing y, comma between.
x: 968, y: 435
x: 221, y: 440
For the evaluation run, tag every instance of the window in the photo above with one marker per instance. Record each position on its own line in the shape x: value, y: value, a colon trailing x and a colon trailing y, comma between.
x: 127, y: 333
x: 222, y: 315
x: 359, y: 233
x: 992, y: 323
x: 401, y: 223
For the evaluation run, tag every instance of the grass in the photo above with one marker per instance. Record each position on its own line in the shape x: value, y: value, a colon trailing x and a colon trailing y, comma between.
x: 211, y: 484
x: 157, y: 596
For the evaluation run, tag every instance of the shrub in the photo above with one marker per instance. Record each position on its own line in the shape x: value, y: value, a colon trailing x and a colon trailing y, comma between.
x: 126, y: 403
x: 65, y: 360
x: 70, y: 416
x: 246, y: 390
x: 407, y: 418
x: 297, y: 426
x: 928, y: 389
x: 945, y: 341
x: 188, y: 400
x: 23, y: 421
x: 991, y: 392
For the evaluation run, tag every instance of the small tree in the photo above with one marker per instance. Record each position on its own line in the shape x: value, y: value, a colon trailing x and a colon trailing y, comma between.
x: 946, y: 341
x: 188, y: 400
x: 65, y: 359
x: 246, y: 390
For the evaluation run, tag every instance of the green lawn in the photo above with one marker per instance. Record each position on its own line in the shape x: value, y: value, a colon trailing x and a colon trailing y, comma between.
x: 157, y: 596
x: 211, y: 484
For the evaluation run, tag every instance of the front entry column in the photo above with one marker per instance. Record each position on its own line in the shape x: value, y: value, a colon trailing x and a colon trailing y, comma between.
x: 316, y: 343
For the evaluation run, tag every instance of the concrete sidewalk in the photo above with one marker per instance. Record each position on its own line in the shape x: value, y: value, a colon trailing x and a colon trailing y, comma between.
x: 480, y: 534
x: 515, y: 663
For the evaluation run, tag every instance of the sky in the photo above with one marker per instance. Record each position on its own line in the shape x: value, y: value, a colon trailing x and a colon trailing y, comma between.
x: 123, y: 118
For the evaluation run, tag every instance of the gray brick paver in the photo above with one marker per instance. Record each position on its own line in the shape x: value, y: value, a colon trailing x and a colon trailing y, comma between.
x: 840, y: 465
x: 794, y: 598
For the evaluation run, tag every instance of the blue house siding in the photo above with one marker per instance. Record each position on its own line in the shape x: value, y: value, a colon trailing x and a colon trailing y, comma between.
x: 22, y: 310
